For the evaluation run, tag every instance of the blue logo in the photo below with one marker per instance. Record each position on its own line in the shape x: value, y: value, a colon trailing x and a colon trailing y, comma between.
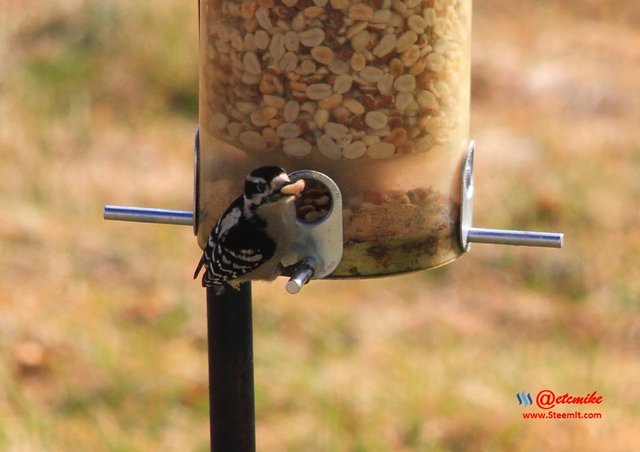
x: 524, y: 398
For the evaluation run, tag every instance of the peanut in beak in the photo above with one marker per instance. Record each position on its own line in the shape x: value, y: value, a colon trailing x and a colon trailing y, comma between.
x: 293, y: 188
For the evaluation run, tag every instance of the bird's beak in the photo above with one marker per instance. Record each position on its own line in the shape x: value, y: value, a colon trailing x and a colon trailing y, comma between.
x: 293, y: 188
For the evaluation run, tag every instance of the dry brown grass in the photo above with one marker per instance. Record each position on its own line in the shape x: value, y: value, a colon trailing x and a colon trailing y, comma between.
x: 102, y: 332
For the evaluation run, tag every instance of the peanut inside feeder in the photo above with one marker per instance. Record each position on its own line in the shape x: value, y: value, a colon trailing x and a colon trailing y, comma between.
x: 314, y: 203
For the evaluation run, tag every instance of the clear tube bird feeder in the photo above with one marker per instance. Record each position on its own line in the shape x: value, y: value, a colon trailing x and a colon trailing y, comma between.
x: 372, y: 93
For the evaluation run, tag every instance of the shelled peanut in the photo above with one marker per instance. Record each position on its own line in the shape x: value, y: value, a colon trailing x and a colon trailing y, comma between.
x: 342, y: 78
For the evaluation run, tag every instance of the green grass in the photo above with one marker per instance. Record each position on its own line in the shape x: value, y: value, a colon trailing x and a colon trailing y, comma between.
x: 98, y: 102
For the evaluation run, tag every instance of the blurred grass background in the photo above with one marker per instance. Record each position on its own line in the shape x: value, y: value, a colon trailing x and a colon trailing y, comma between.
x: 102, y: 330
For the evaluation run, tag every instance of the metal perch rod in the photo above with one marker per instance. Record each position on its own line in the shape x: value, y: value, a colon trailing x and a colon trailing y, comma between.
x: 148, y: 215
x: 476, y: 235
x: 520, y: 238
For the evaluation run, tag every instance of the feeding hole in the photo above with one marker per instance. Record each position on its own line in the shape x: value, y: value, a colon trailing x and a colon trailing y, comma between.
x: 314, y: 203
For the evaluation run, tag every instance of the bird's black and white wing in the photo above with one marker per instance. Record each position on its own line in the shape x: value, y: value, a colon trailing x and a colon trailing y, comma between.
x: 236, y: 247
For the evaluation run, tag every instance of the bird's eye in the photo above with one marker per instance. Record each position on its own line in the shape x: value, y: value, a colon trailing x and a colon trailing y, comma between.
x: 261, y: 187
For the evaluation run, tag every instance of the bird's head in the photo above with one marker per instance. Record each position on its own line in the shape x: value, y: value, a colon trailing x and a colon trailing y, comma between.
x: 269, y: 184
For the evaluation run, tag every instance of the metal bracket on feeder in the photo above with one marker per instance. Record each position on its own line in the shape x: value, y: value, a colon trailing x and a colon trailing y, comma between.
x: 318, y: 247
x: 470, y: 234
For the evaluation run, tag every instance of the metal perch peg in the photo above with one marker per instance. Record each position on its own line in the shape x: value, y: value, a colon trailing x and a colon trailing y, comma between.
x: 470, y: 234
x: 148, y: 215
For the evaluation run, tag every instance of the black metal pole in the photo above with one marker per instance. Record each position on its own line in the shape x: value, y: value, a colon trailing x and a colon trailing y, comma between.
x: 231, y: 393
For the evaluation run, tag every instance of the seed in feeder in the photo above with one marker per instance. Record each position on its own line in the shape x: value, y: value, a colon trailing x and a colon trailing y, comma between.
x: 335, y: 130
x: 307, y: 67
x: 288, y: 62
x: 354, y: 150
x: 313, y: 12
x: 309, y: 107
x: 397, y: 136
x: 403, y: 100
x: 253, y: 42
x: 339, y: 67
x: 288, y: 130
x: 273, y: 101
x: 330, y: 102
x: 258, y: 118
x: 405, y: 83
x: 376, y: 120
x: 266, y: 85
x: 271, y: 137
x: 410, y: 56
x: 339, y: 4
x: 431, y: 124
x: 296, y: 147
x: 234, y: 129
x: 299, y: 22
x: 381, y: 150
x: 384, y: 101
x: 248, y: 8
x: 357, y: 126
x: 263, y: 19
x: 314, y: 216
x: 291, y: 41
x: 386, y: 45
x: 245, y: 107
x: 342, y: 84
x: 355, y: 29
x: 435, y: 62
x: 381, y: 16
x: 276, y: 47
x: 379, y: 132
x: 385, y: 84
x: 427, y: 100
x: 399, y: 6
x: 219, y: 121
x: 291, y: 111
x: 322, y: 201
x: 406, y: 40
x: 425, y: 143
x: 311, y: 37
x: 358, y: 61
x: 360, y: 41
x: 416, y: 23
x: 328, y: 147
x: 252, y: 140
x: 340, y: 114
x: 396, y: 68
x: 251, y: 63
x: 250, y: 79
x: 318, y: 91
x: 371, y: 74
x: 320, y: 117
x: 353, y: 106
x: 322, y: 54
x: 418, y: 68
x: 237, y: 41
x: 360, y: 11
